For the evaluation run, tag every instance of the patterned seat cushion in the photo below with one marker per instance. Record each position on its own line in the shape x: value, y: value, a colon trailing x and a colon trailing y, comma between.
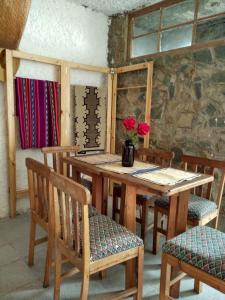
x: 202, y: 247
x: 108, y: 238
x: 87, y: 183
x: 198, y: 207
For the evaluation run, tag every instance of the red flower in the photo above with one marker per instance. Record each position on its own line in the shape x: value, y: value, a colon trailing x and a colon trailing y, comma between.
x: 143, y: 128
x: 129, y: 123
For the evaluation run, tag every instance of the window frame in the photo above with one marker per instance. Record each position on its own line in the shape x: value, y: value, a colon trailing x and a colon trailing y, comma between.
x: 160, y: 6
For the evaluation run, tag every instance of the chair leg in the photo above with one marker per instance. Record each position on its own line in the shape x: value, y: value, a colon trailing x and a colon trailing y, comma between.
x: 140, y: 267
x: 198, y: 286
x: 32, y: 242
x: 58, y: 266
x: 165, y: 279
x: 114, y: 206
x: 144, y: 220
x: 85, y: 286
x: 48, y: 262
x: 216, y: 220
x: 157, y: 220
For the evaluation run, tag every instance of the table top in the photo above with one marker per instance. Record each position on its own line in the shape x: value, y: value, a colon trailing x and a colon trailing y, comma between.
x: 92, y: 166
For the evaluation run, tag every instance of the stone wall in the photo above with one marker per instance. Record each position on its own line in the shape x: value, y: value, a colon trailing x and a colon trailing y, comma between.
x: 188, y: 97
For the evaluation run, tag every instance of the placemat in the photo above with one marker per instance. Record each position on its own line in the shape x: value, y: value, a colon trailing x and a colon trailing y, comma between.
x: 97, y: 159
x: 167, y: 176
x: 137, y: 167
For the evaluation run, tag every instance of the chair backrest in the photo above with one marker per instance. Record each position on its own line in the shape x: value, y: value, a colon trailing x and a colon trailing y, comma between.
x: 157, y: 156
x: 71, y: 216
x: 53, y: 155
x: 206, y: 166
x: 38, y: 182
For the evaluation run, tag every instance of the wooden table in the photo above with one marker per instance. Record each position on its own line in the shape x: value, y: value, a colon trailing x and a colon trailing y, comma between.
x: 178, y: 196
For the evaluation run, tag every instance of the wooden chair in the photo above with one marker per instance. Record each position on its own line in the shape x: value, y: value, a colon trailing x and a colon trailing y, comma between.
x: 53, y: 156
x: 90, y: 244
x: 199, y: 253
x: 201, y: 209
x: 155, y: 156
x: 40, y: 212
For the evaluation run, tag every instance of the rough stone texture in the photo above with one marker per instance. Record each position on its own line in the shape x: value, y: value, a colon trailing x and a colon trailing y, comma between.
x: 188, y: 99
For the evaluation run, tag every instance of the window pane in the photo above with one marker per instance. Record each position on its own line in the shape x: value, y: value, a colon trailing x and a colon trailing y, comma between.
x: 144, y: 45
x: 146, y: 23
x: 179, y: 13
x: 176, y: 38
x: 211, y: 7
x: 210, y: 30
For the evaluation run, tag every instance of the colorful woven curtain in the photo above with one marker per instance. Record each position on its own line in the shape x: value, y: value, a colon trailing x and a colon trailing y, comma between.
x: 38, y: 109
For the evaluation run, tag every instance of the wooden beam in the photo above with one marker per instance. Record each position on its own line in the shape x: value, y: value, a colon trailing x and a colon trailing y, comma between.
x: 65, y: 105
x: 148, y: 100
x: 91, y: 68
x: 58, y: 62
x: 109, y: 113
x: 37, y: 58
x: 132, y: 68
x: 21, y: 193
x: 11, y: 133
x: 113, y: 130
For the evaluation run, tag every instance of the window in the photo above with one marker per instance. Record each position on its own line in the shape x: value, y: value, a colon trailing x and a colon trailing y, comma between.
x: 186, y: 23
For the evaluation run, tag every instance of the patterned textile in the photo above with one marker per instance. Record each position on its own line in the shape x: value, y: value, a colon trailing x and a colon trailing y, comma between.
x: 108, y: 238
x: 38, y: 109
x: 198, y: 207
x: 90, y: 117
x: 202, y: 247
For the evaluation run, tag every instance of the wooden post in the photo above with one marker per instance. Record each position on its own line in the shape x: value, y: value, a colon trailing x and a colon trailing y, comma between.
x: 109, y: 113
x: 148, y: 100
x: 114, y: 96
x: 11, y: 133
x: 65, y: 105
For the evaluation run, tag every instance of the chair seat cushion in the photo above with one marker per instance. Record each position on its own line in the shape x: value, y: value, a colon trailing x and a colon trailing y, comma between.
x: 202, y: 247
x: 198, y: 207
x: 87, y: 183
x: 108, y: 238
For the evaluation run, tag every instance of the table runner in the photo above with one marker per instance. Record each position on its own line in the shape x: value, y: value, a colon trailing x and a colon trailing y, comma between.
x: 167, y: 176
x: 138, y: 167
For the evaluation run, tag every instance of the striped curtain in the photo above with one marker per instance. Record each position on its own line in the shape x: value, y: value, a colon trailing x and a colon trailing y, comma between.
x: 38, y: 109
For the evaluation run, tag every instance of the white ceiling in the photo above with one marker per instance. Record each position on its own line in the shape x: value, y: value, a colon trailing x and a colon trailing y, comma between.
x: 111, y: 7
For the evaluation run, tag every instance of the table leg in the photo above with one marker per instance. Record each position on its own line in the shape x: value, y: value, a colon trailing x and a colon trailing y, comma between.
x: 181, y: 225
x: 105, y: 195
x: 76, y: 175
x: 97, y: 188
x: 129, y: 201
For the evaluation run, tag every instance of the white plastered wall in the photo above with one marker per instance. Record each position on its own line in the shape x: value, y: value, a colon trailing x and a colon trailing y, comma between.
x: 59, y: 29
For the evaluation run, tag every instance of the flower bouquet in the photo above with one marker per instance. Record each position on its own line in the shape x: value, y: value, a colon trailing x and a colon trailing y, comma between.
x: 134, y: 130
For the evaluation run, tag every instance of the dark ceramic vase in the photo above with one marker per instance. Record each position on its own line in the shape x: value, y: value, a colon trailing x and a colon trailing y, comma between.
x: 128, y: 154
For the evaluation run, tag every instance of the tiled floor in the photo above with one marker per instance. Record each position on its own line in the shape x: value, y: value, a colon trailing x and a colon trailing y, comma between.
x: 19, y: 282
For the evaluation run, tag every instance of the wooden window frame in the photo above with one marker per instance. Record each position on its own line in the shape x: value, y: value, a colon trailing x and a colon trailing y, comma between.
x: 158, y: 7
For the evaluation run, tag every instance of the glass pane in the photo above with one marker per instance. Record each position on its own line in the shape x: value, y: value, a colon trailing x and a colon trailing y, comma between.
x: 144, y: 45
x: 176, y: 38
x: 179, y: 13
x: 146, y: 24
x: 211, y: 7
x: 210, y: 30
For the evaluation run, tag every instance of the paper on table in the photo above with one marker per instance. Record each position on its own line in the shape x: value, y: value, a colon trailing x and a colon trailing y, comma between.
x: 168, y: 176
x: 97, y: 159
x: 118, y: 168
